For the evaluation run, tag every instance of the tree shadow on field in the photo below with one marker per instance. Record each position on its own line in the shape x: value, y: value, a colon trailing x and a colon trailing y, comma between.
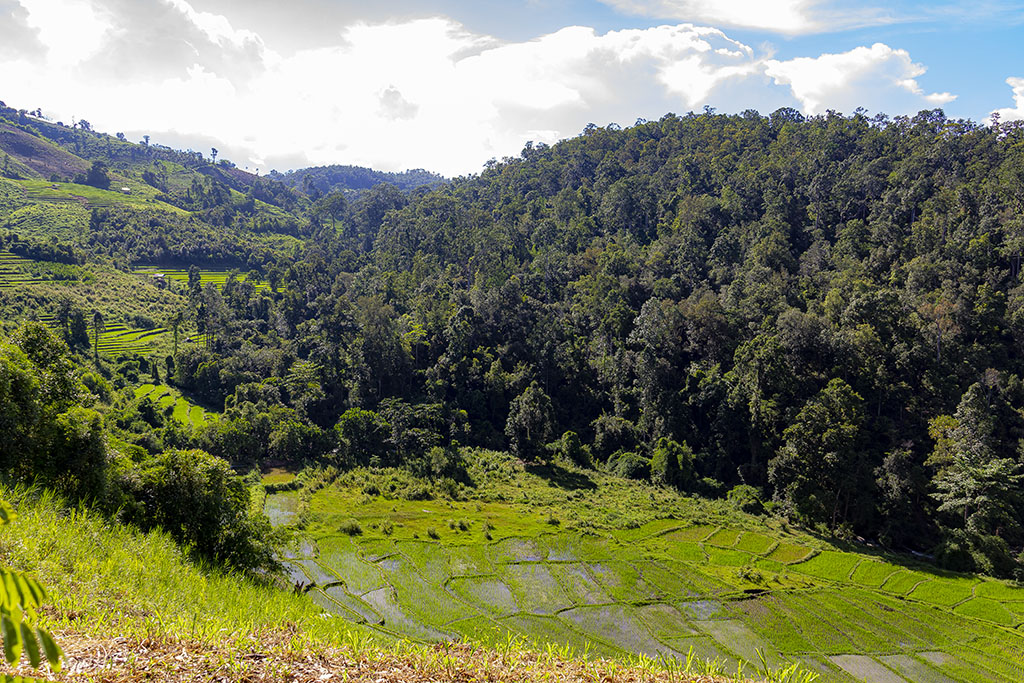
x: 561, y: 477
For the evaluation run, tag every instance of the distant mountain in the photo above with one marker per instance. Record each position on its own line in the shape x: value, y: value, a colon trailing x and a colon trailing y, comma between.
x: 324, y: 179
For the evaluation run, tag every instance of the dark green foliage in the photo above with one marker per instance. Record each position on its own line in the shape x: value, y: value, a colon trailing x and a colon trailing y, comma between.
x: 571, y: 449
x: 97, y: 176
x: 818, y: 471
x: 528, y: 426
x: 53, y: 437
x: 746, y: 498
x: 362, y: 437
x: 629, y: 465
x: 326, y: 179
x: 196, y: 498
x: 672, y: 464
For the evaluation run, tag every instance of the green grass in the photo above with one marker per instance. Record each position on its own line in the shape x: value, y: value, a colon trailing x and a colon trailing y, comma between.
x: 904, y: 581
x: 697, y: 532
x: 873, y: 574
x: 758, y: 544
x: 108, y: 579
x: 946, y: 593
x: 830, y: 565
x: 789, y: 553
x: 141, y: 195
x: 987, y: 610
x: 999, y: 590
x: 181, y: 408
x: 724, y: 538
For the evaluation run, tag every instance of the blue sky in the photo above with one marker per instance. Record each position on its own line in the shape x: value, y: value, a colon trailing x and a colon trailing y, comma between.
x: 447, y: 84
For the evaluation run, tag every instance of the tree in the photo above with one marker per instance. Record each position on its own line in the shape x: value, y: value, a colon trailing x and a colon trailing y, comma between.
x: 332, y: 205
x: 529, y: 424
x: 98, y: 176
x: 97, y: 330
x: 672, y: 464
x: 974, y: 482
x: 199, y: 501
x: 362, y: 437
x: 213, y: 154
x: 79, y: 330
x: 818, y: 471
x: 176, y: 320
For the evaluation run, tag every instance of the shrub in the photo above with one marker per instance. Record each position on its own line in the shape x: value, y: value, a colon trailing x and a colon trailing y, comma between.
x: 432, y: 532
x: 629, y: 465
x: 569, y: 448
x: 746, y: 498
x: 417, y: 492
x: 350, y: 527
x: 198, y: 500
x: 672, y: 464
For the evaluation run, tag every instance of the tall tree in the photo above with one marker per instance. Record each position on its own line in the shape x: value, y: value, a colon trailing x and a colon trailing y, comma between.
x: 818, y: 472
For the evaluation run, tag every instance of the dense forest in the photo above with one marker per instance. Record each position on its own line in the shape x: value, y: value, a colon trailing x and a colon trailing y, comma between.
x: 819, y: 317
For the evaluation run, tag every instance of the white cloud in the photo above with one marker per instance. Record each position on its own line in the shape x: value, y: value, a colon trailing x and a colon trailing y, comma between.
x: 71, y: 31
x: 1016, y: 112
x: 781, y: 16
x: 17, y: 36
x: 426, y: 93
x: 877, y: 78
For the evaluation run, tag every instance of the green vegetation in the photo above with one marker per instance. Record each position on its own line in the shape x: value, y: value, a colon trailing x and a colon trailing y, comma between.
x: 640, y: 389
x: 420, y: 566
x: 167, y: 398
x: 217, y: 278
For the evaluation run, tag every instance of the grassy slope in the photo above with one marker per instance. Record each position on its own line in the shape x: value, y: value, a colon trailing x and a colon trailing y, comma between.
x: 170, y: 399
x: 630, y: 568
x: 127, y: 606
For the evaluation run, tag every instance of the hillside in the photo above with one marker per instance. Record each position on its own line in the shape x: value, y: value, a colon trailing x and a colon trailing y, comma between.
x: 323, y: 180
x: 741, y: 383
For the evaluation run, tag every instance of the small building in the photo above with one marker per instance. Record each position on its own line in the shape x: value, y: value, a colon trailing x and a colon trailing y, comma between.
x: 126, y: 190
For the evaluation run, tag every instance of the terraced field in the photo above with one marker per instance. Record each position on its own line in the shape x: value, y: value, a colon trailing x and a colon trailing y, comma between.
x: 14, y: 271
x: 668, y: 589
x: 215, y: 277
x: 45, y: 192
x: 184, y: 411
x: 117, y: 338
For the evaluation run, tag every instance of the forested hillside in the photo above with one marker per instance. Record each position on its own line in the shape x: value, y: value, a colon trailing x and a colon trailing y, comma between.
x: 321, y: 180
x: 817, y: 316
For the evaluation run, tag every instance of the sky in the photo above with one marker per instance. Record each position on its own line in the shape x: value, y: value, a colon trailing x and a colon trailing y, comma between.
x: 446, y: 85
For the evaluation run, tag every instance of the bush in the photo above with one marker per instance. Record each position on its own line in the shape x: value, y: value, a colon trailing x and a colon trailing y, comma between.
x: 432, y: 532
x: 746, y: 498
x: 672, y: 464
x: 198, y: 500
x: 350, y: 527
x: 570, y: 449
x: 629, y: 465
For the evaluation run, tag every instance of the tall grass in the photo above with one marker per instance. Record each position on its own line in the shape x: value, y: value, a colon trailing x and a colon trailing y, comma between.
x: 105, y: 578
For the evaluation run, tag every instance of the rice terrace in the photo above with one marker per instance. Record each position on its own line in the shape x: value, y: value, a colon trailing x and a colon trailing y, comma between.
x: 492, y: 572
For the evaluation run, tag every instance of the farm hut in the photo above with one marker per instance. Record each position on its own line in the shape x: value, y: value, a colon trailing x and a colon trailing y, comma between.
x: 126, y: 190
